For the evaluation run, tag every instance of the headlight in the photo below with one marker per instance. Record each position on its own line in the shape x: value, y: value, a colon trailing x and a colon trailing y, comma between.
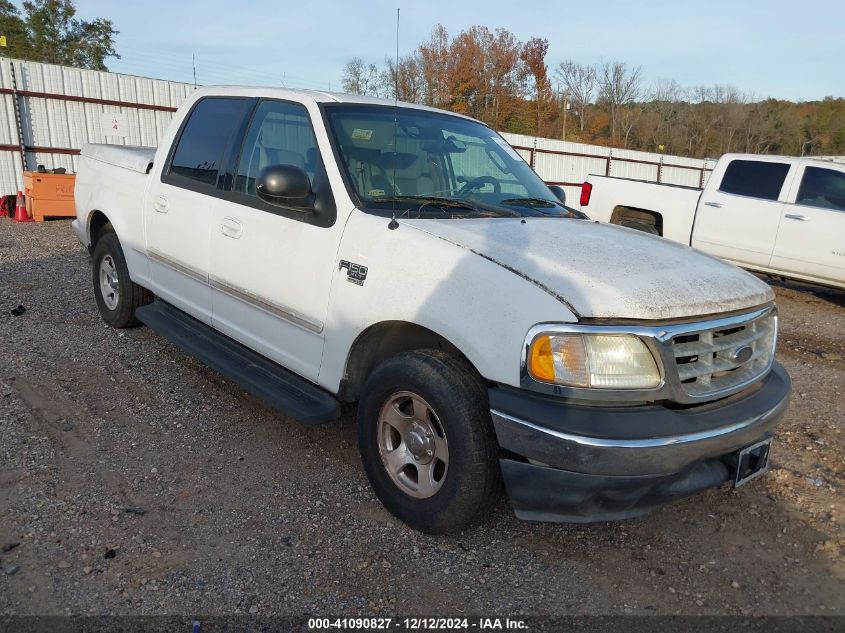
x: 599, y: 361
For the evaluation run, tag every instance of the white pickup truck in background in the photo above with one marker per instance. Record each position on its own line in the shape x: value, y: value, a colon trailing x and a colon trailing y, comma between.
x: 319, y: 248
x: 779, y: 215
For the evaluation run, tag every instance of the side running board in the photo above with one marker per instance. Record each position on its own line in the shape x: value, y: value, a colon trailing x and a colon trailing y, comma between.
x: 278, y: 387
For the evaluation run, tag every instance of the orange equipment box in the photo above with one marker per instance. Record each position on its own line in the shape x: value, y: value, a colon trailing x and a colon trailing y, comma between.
x: 48, y: 195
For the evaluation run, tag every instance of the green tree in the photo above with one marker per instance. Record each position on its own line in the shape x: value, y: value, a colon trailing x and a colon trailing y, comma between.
x: 14, y: 29
x: 49, y: 32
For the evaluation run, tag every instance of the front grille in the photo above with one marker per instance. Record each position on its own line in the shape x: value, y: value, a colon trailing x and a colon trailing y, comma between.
x: 711, y: 361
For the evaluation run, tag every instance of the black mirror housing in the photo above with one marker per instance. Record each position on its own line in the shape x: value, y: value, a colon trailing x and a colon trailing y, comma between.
x: 285, y: 185
x: 560, y: 192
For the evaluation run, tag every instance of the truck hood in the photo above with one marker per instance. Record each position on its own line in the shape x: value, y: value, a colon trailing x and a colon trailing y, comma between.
x: 604, y: 271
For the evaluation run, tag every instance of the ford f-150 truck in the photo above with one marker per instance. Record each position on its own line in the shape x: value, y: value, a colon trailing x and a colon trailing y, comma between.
x: 779, y: 215
x: 319, y: 248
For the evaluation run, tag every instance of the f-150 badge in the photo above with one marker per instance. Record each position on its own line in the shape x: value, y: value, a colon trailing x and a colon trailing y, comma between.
x: 355, y: 273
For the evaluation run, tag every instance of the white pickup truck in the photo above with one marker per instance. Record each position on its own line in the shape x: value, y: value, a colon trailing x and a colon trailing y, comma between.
x: 319, y: 248
x: 778, y: 215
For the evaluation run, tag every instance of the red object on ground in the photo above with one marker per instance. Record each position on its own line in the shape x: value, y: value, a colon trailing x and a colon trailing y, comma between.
x: 20, y: 210
x: 7, y: 206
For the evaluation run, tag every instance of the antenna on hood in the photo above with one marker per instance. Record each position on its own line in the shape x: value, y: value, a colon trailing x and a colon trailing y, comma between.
x: 396, y: 74
x: 393, y: 223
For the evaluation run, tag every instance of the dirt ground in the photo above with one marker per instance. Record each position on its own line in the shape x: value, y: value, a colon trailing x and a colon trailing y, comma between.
x: 137, y: 481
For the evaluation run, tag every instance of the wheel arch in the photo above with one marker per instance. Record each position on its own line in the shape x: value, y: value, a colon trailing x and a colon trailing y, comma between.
x: 646, y: 216
x: 381, y: 341
x: 97, y: 221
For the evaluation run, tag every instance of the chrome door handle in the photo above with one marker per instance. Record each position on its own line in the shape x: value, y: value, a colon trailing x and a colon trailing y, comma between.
x: 230, y: 227
x: 796, y: 216
x: 718, y: 205
x: 160, y: 204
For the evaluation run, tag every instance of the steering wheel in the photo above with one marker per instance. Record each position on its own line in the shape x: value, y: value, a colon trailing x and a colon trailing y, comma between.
x: 477, y: 183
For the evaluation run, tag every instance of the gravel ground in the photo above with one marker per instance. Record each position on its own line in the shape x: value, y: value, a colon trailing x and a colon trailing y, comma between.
x: 136, y: 481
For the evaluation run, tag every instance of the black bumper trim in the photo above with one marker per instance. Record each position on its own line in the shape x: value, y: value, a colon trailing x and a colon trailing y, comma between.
x: 539, y: 493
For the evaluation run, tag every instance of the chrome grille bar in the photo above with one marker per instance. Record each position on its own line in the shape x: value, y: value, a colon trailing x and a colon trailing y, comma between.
x: 718, y: 359
x: 729, y: 341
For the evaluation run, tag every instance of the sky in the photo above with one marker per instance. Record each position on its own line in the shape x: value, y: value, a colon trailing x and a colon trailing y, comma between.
x: 766, y: 48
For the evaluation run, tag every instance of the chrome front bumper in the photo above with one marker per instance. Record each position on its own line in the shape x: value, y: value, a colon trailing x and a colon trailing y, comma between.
x: 583, y: 463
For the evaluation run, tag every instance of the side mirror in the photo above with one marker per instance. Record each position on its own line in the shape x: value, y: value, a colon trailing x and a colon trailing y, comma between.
x: 285, y: 185
x: 559, y: 192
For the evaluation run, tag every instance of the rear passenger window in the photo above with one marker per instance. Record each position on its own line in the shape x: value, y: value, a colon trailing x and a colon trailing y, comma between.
x: 824, y: 188
x: 280, y: 134
x: 755, y: 179
x: 204, y: 138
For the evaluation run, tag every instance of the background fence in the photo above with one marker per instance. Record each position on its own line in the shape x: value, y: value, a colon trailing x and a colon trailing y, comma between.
x: 569, y: 164
x: 48, y: 112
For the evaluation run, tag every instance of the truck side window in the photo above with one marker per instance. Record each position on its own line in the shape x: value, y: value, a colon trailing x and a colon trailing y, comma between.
x: 824, y: 188
x: 204, y: 138
x: 280, y: 134
x: 756, y: 179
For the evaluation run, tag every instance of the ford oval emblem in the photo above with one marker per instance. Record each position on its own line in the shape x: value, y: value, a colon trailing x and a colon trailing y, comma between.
x: 742, y: 354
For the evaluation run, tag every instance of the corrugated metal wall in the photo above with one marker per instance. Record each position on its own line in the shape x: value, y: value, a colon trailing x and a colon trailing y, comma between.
x: 10, y: 161
x: 61, y: 109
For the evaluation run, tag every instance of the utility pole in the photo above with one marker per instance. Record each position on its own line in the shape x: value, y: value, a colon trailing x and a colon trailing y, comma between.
x: 194, y: 64
x: 564, y: 100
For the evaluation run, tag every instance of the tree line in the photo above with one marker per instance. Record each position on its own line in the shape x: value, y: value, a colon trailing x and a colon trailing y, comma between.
x: 493, y: 76
x: 48, y: 31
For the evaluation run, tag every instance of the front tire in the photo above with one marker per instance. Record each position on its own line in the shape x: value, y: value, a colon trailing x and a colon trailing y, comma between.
x: 116, y: 294
x: 427, y: 441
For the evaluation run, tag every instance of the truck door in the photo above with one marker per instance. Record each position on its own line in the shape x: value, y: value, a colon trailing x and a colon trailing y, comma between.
x: 271, y: 265
x: 738, y: 219
x: 180, y: 201
x: 811, y: 238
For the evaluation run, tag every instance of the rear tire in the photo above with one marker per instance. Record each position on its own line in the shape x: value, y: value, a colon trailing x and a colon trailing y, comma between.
x: 116, y: 294
x: 435, y: 464
x: 640, y: 226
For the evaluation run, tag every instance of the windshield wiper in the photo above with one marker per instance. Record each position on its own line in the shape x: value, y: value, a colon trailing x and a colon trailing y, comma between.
x: 449, y: 203
x: 542, y: 203
x: 530, y: 202
x: 445, y: 203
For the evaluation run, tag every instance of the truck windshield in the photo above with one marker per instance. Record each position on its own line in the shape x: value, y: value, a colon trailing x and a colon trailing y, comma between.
x: 416, y: 163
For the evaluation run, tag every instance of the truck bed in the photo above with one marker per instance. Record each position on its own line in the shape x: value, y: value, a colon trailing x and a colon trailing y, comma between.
x: 132, y: 157
x: 115, y: 177
x: 676, y: 204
